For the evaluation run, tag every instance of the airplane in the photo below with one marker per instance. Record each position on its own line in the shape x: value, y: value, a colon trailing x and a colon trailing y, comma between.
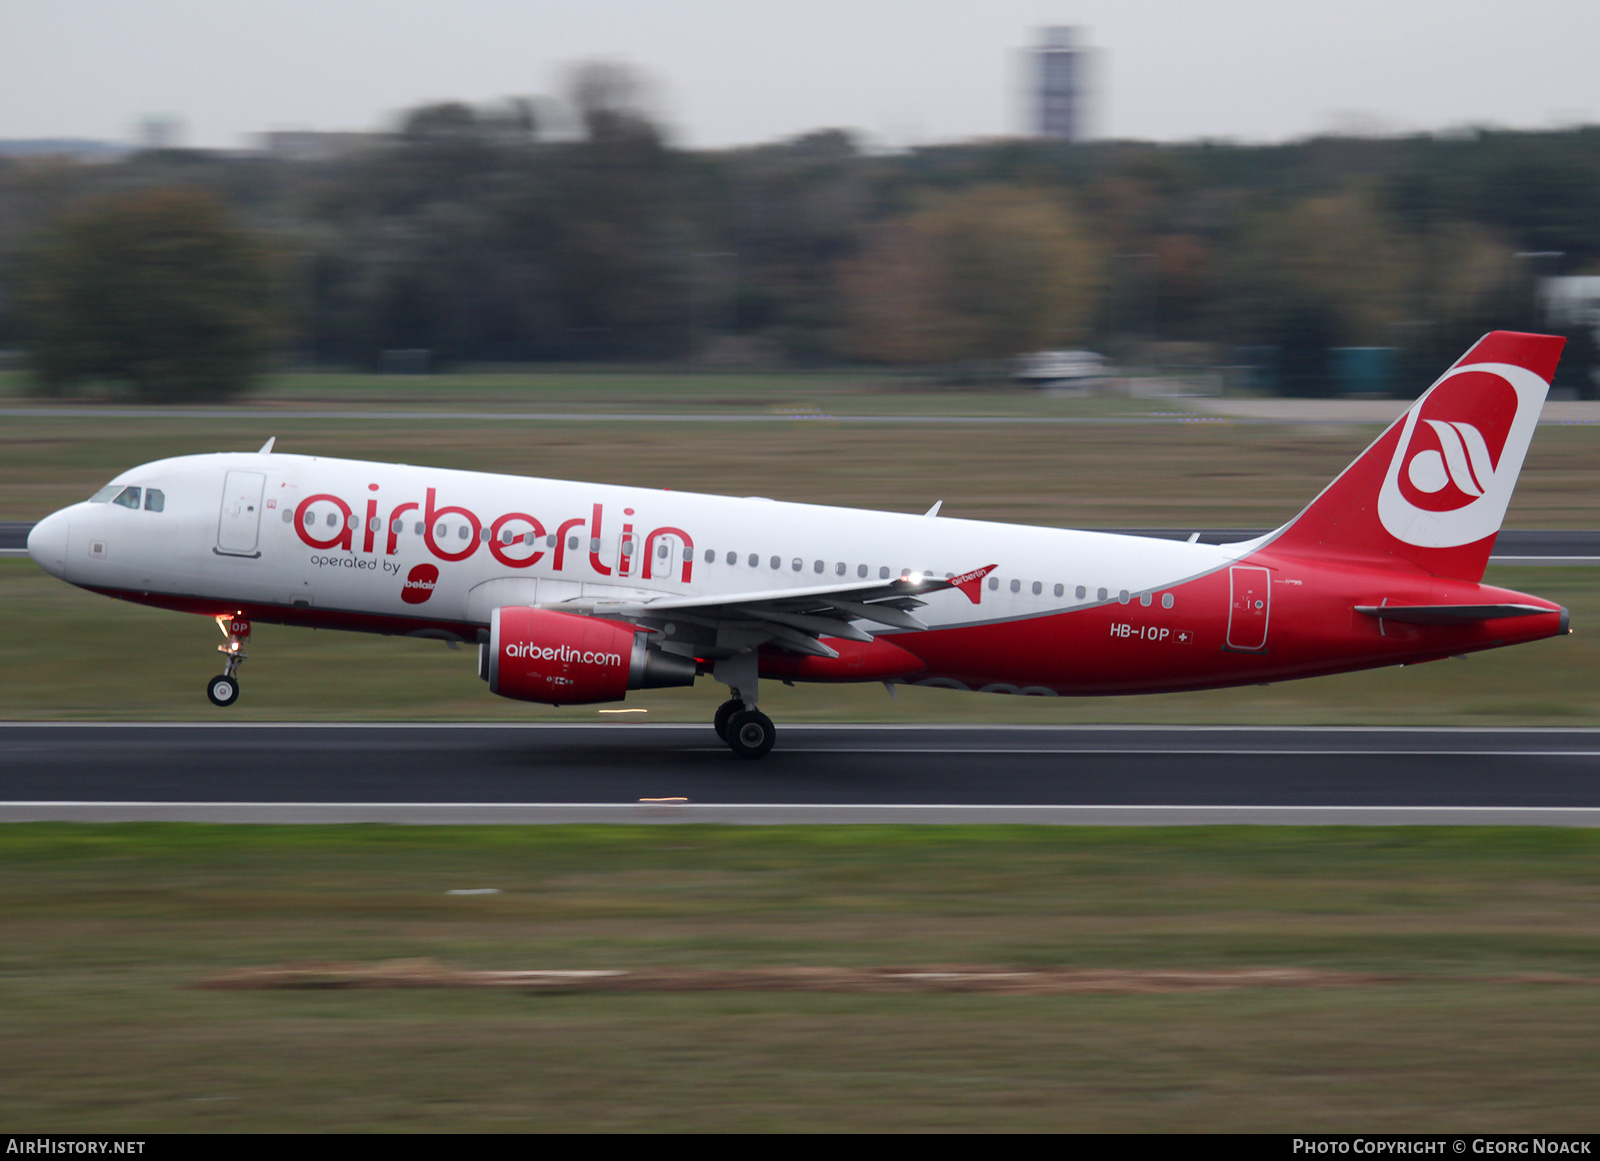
x: 577, y: 593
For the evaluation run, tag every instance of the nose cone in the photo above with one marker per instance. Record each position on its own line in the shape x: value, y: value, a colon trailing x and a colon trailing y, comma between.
x: 47, y: 544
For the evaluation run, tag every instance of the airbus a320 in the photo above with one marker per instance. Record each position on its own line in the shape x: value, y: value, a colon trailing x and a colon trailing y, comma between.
x: 577, y: 593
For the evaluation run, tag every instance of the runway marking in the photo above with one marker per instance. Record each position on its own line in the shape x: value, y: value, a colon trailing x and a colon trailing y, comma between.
x: 1187, y: 753
x: 806, y: 727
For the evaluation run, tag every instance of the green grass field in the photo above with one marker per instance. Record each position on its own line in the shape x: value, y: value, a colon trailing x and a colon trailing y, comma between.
x: 108, y: 930
x: 65, y: 653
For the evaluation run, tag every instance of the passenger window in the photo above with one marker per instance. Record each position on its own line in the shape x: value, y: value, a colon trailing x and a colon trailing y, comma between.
x: 733, y: 558
x: 128, y: 498
x: 661, y: 549
x: 155, y: 500
x: 817, y: 567
x: 1100, y: 594
x: 377, y: 526
x: 1037, y: 588
x: 1123, y: 596
x: 861, y: 570
x: 333, y: 522
x: 797, y: 562
x: 1082, y: 592
x: 1144, y: 599
x: 883, y: 572
x: 1016, y: 586
x: 572, y: 541
x: 1061, y: 591
x: 754, y: 560
x: 462, y: 533
x: 775, y: 562
x: 1166, y: 600
x: 549, y: 541
x: 838, y: 569
x: 711, y: 556
x: 994, y: 584
x: 288, y: 515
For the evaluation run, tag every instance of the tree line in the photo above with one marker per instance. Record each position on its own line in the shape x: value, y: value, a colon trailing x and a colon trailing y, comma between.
x: 575, y: 230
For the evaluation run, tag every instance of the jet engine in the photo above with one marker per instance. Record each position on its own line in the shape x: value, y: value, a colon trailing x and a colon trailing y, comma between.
x: 564, y: 659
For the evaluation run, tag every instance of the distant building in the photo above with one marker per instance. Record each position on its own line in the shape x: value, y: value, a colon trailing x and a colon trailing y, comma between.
x: 1059, y: 86
x: 160, y: 131
x: 1571, y: 301
x: 78, y: 149
x: 310, y: 146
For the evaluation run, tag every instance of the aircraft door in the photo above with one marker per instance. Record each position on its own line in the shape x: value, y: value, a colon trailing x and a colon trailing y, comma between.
x: 666, y: 557
x: 239, y: 527
x: 1250, y: 591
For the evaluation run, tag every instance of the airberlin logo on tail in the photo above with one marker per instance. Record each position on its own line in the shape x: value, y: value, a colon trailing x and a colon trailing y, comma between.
x: 1463, y: 459
x: 1459, y: 454
x: 420, y: 582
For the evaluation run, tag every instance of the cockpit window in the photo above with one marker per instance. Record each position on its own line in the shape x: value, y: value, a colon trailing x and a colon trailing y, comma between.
x: 154, y: 500
x: 103, y: 496
x: 128, y: 498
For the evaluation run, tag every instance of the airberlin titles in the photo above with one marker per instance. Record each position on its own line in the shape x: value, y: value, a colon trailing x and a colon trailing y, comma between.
x: 528, y: 531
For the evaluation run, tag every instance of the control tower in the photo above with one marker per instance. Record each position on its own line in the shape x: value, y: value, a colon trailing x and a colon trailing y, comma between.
x: 1058, y: 85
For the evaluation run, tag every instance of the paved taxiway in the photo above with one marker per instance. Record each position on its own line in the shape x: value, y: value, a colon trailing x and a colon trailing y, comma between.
x: 645, y: 772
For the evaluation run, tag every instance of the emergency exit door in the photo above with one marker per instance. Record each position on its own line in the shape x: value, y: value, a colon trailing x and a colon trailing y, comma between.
x: 1250, y: 590
x: 239, y: 528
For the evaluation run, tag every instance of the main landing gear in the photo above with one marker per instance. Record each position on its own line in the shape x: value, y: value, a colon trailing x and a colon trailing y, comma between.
x: 223, y: 689
x: 748, y: 732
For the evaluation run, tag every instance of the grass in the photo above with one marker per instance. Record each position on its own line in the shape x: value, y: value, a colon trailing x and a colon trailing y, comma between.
x: 104, y: 930
x: 65, y: 653
x: 108, y: 928
x: 1212, y: 475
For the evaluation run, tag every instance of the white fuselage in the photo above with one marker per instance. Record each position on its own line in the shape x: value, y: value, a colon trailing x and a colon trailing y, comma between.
x: 332, y: 534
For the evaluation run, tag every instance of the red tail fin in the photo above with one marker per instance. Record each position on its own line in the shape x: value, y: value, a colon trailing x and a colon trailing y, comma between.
x: 1433, y: 489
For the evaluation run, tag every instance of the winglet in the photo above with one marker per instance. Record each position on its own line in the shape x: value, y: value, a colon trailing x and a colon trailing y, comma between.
x: 971, y: 583
x: 934, y: 511
x: 266, y: 448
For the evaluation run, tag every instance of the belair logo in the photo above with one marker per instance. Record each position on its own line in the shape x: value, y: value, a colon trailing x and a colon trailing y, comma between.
x: 1459, y: 454
x: 420, y: 583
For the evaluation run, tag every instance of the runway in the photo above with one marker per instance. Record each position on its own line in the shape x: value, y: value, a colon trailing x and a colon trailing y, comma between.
x: 471, y: 773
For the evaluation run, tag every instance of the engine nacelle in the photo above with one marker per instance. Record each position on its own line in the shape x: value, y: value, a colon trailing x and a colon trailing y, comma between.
x: 564, y: 659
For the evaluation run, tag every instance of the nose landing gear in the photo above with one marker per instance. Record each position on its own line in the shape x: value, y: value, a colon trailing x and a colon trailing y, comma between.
x: 223, y: 689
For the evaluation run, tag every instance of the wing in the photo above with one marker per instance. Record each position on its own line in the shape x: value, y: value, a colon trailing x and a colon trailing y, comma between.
x: 791, y: 619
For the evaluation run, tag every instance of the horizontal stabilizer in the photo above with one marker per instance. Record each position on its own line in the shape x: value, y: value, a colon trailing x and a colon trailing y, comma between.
x: 1448, y: 614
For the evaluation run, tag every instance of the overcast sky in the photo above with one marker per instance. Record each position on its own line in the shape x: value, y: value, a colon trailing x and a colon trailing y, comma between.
x: 728, y: 72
